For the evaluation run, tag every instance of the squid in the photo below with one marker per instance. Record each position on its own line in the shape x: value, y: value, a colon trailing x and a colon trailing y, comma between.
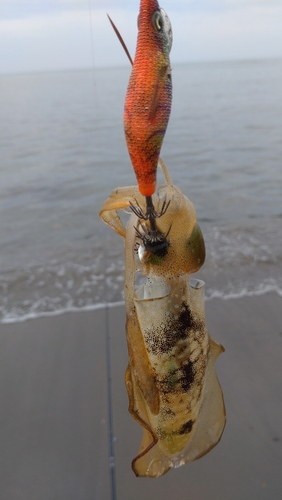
x: 172, y: 386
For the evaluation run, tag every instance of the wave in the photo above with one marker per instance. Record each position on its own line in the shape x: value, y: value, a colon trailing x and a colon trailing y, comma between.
x: 262, y: 289
x: 11, y: 318
x: 241, y: 262
x: 15, y: 316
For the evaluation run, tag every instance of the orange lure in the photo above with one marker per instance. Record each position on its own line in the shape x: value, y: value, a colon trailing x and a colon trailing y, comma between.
x: 149, y: 94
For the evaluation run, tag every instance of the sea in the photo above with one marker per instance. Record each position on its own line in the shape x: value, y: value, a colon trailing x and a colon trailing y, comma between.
x: 63, y: 151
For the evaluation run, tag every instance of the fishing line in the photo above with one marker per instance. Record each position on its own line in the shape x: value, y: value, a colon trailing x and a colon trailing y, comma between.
x: 109, y: 395
x: 92, y: 43
x: 111, y: 437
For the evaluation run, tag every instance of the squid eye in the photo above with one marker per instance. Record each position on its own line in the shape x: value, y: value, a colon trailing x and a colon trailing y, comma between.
x: 157, y: 21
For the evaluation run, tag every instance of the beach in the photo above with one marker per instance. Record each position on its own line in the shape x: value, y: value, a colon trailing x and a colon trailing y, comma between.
x: 54, y: 409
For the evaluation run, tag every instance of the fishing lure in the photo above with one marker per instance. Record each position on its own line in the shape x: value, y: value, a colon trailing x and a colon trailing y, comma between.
x: 173, y: 390
x: 149, y: 94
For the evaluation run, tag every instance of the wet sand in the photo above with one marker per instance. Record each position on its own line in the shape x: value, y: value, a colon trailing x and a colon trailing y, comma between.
x: 54, y: 424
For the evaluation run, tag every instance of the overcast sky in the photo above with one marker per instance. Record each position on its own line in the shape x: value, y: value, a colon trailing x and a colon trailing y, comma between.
x: 56, y: 34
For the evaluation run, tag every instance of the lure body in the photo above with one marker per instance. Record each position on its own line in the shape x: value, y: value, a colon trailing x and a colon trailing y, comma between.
x: 149, y: 93
x: 173, y: 390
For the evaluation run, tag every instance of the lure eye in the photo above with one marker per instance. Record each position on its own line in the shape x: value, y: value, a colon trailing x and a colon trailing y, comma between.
x: 157, y: 21
x: 161, y: 24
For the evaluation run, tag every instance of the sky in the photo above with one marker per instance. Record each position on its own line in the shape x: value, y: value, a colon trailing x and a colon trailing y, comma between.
x: 42, y: 35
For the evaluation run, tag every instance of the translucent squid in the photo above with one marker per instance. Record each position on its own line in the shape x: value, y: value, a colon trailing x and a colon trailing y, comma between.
x: 173, y: 390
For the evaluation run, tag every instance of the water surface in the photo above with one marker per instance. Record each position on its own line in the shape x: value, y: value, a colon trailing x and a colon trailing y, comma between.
x: 63, y: 151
